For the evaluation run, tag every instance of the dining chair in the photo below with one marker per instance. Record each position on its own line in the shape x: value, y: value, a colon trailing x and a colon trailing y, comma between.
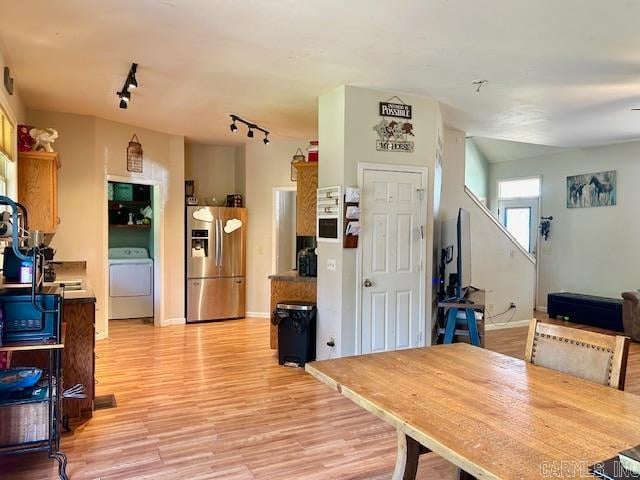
x: 592, y: 356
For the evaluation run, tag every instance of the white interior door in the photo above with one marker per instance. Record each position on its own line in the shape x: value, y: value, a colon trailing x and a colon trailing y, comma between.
x: 392, y: 286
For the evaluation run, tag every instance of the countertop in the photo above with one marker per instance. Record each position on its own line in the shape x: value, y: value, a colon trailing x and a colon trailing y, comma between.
x: 74, y: 271
x: 69, y: 272
x: 291, y: 276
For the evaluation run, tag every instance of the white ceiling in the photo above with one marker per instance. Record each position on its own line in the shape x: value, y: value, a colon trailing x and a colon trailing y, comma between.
x: 496, y: 151
x: 560, y: 73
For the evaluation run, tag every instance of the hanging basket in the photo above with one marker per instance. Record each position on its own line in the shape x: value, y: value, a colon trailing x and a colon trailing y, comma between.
x: 297, y: 158
x: 134, y: 155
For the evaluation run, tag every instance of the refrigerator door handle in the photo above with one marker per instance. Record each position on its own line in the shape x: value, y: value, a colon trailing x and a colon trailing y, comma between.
x: 221, y: 243
x: 217, y: 243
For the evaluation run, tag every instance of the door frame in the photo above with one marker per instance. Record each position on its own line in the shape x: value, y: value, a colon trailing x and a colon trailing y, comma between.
x: 158, y: 245
x: 422, y: 288
x: 274, y: 226
x: 538, y: 248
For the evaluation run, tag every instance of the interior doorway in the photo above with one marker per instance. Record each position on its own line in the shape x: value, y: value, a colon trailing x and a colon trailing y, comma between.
x: 284, y: 250
x: 391, y: 257
x: 132, y: 250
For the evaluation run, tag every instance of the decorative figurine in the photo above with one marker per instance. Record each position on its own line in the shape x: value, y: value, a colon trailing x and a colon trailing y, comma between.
x: 25, y: 141
x: 44, y: 138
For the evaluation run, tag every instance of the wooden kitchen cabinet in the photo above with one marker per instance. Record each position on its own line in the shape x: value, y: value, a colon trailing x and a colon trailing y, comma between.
x: 38, y: 189
x: 79, y: 355
x: 306, y: 198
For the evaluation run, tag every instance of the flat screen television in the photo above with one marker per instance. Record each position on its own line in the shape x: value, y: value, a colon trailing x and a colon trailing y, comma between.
x: 456, y: 253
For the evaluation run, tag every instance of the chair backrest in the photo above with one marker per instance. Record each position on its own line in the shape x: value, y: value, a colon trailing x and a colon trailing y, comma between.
x: 592, y: 356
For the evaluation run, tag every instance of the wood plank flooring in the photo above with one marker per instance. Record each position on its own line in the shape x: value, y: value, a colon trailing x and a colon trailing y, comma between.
x: 210, y: 402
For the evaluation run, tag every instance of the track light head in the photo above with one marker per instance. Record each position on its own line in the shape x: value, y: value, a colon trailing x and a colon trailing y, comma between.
x: 132, y: 82
x: 123, y: 104
x: 266, y: 139
x: 233, y: 127
x: 250, y: 133
x: 125, y: 96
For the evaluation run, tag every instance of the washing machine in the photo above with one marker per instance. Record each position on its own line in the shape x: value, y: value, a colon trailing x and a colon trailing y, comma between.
x: 130, y: 283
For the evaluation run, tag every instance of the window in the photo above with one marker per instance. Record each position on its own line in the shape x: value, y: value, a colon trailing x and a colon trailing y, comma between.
x: 7, y: 134
x: 518, y: 223
x: 519, y: 188
x: 518, y: 205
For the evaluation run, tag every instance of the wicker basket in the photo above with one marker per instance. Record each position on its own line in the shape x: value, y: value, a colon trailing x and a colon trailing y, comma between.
x: 24, y: 423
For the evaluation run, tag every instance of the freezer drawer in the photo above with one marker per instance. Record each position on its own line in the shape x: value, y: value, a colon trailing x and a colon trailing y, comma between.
x: 215, y: 298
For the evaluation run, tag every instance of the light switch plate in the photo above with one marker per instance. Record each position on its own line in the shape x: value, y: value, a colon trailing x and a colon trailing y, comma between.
x: 332, y: 264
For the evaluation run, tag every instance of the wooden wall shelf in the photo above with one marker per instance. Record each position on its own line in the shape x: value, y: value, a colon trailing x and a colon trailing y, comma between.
x: 134, y: 227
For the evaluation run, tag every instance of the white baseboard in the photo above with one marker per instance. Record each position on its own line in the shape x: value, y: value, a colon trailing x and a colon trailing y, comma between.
x: 500, y: 326
x: 541, y: 309
x: 173, y: 321
x: 257, y: 314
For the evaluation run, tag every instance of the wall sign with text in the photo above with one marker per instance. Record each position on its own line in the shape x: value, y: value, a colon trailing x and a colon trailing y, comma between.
x: 394, y: 133
x: 397, y: 110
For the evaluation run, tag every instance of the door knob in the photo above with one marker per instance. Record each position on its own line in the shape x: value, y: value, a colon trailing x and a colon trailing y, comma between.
x: 368, y: 283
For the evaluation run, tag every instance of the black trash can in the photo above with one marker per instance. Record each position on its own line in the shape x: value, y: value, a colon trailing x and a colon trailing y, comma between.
x: 296, y: 332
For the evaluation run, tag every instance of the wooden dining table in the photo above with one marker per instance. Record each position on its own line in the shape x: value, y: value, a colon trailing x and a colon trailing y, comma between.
x: 491, y: 415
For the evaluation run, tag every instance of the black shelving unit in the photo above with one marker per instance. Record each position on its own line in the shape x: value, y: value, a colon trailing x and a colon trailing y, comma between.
x: 52, y: 399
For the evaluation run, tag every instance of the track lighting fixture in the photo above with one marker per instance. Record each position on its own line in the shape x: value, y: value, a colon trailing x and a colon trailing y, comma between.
x: 131, y: 82
x: 251, y: 127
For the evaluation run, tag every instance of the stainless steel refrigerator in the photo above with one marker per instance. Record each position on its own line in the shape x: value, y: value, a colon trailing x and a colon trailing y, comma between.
x: 216, y: 239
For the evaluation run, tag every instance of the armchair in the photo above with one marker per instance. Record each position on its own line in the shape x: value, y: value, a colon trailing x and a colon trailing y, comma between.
x: 631, y: 314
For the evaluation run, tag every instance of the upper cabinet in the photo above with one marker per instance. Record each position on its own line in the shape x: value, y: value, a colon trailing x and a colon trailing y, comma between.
x: 306, y: 198
x: 38, y: 189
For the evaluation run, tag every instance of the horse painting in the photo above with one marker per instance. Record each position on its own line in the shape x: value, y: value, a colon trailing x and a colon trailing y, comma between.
x: 592, y: 190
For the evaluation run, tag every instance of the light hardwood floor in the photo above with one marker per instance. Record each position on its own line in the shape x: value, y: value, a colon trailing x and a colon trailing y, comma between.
x: 210, y: 402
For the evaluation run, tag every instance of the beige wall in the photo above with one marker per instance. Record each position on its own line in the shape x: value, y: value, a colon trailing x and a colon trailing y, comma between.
x: 346, y: 119
x: 266, y: 167
x: 14, y: 107
x: 589, y: 250
x: 90, y: 150
x: 213, y: 169
x: 497, y: 264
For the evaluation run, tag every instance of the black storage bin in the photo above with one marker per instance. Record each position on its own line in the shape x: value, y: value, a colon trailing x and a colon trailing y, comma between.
x: 589, y: 310
x: 296, y: 332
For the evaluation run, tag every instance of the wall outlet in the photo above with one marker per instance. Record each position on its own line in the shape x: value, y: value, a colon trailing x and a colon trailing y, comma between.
x: 490, y: 307
x: 332, y: 265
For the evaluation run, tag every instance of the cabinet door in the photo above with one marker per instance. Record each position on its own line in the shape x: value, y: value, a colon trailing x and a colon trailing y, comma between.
x: 38, y: 189
x: 306, y: 199
x: 78, y: 357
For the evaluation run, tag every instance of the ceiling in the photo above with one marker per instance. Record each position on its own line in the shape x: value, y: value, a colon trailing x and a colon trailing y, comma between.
x: 563, y: 73
x: 496, y: 151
